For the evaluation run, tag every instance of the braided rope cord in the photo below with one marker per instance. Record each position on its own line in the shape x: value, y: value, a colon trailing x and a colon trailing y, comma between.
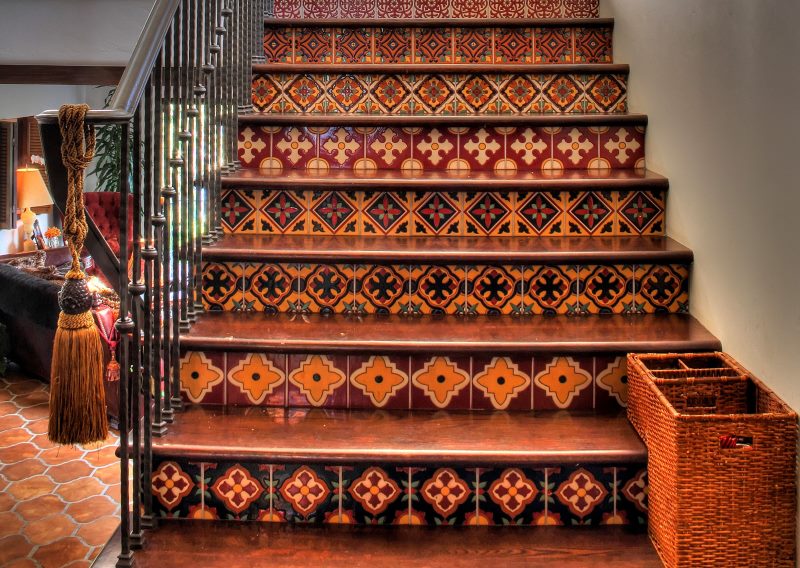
x: 77, y: 151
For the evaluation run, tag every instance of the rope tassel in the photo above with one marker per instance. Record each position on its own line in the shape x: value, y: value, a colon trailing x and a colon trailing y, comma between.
x: 77, y: 396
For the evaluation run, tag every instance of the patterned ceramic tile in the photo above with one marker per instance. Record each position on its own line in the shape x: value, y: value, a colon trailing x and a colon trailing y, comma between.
x: 493, y: 290
x: 255, y: 146
x: 583, y: 495
x: 235, y: 490
x: 278, y: 46
x: 292, y: 147
x: 437, y: 290
x: 447, y: 495
x: 313, y: 45
x: 513, y: 45
x: 379, y: 381
x: 622, y: 147
x: 437, y: 213
x: 590, y: 213
x: 552, y: 45
x: 317, y: 381
x: 176, y: 488
x: 512, y: 496
x: 393, y: 45
x: 470, y: 8
x: 304, y: 494
x: 433, y: 45
x: 435, y: 149
x: 239, y: 211
x: 593, y: 45
x: 574, y: 147
x: 222, y: 286
x: 375, y: 495
x: 270, y: 288
x: 563, y: 382
x: 325, y: 288
x: 203, y: 377
x: 394, y: 8
x: 283, y: 212
x: 631, y: 504
x: 256, y: 379
x: 353, y: 45
x: 388, y: 147
x: 539, y: 213
x: 606, y: 289
x: 381, y: 289
x: 440, y: 382
x: 340, y: 147
x: 481, y: 148
x: 473, y: 45
x: 611, y: 383
x: 548, y: 290
x: 662, y: 288
x: 489, y: 214
x: 502, y: 383
x: 333, y: 212
x: 642, y: 213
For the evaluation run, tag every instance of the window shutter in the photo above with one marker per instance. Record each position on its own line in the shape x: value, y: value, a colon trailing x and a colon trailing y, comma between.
x: 8, y: 169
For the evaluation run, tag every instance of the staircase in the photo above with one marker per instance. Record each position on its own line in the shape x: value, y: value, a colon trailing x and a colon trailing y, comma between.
x: 440, y: 244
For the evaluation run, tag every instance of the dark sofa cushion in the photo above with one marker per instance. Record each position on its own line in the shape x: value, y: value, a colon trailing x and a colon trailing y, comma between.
x: 23, y: 296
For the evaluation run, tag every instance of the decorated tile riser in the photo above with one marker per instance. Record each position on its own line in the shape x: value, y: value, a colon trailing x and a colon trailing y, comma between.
x: 440, y: 148
x: 383, y: 494
x: 445, y: 213
x: 445, y: 289
x: 398, y: 382
x: 445, y: 44
x: 435, y: 9
x: 438, y: 94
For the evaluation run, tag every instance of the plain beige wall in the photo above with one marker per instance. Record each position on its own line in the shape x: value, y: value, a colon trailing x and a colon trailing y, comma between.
x: 720, y: 81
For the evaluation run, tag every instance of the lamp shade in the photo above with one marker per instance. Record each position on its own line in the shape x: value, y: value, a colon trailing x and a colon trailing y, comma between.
x: 31, y: 190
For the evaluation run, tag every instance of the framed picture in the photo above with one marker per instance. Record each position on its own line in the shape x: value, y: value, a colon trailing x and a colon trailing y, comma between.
x: 38, y: 236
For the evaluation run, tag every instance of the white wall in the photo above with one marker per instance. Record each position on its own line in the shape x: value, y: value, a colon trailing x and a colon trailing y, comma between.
x: 721, y: 84
x: 70, y: 32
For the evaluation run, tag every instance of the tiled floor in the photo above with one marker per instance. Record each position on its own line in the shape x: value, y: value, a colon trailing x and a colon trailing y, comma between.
x: 58, y: 505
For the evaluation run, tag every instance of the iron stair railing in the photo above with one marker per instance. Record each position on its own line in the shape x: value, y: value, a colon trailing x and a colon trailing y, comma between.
x: 177, y: 103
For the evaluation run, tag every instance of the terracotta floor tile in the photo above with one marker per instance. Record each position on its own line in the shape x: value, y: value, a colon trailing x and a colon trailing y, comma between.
x: 98, y: 532
x: 15, y: 436
x: 48, y: 529
x: 33, y: 399
x: 69, y: 471
x: 10, y: 523
x: 7, y: 502
x: 61, y: 552
x: 102, y: 457
x: 25, y: 386
x: 113, y: 492
x: 39, y: 412
x: 37, y: 427
x: 31, y: 487
x: 13, y: 548
x: 22, y: 563
x: 79, y: 564
x: 108, y: 475
x: 80, y: 489
x: 61, y: 454
x: 23, y: 469
x: 91, y: 508
x: 40, y: 507
x: 18, y: 452
x: 10, y: 421
x: 8, y: 407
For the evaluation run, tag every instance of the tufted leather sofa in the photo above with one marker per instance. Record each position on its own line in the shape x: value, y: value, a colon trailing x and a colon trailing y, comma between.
x: 103, y: 208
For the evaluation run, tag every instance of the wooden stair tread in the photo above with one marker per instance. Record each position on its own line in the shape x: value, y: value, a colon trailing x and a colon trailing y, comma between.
x: 432, y: 180
x: 221, y: 544
x: 342, y: 333
x: 438, y: 22
x: 378, y: 250
x: 295, y: 435
x: 322, y: 119
x: 471, y: 68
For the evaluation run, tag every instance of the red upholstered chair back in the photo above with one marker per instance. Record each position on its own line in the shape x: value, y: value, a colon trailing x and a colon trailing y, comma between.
x: 103, y: 208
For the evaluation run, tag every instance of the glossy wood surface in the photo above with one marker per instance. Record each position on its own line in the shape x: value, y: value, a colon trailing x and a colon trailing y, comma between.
x: 298, y: 435
x: 340, y: 333
x: 470, y: 181
x: 61, y: 74
x: 439, y: 22
x: 493, y: 68
x: 250, y: 545
x: 382, y: 250
x: 319, y: 119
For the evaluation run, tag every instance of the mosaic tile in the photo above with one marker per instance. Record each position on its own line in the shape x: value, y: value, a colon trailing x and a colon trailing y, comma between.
x: 379, y: 381
x: 563, y: 383
x: 437, y: 290
x: 502, y: 383
x: 440, y: 382
x: 202, y: 376
x: 317, y: 381
x: 256, y: 379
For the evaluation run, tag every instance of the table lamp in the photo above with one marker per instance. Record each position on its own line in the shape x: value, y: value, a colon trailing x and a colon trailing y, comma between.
x: 31, y: 192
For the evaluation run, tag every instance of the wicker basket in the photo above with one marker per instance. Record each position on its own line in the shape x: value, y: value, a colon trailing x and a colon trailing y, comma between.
x: 721, y: 464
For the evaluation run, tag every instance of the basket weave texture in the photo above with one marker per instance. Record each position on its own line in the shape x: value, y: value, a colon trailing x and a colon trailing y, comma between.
x: 722, y: 453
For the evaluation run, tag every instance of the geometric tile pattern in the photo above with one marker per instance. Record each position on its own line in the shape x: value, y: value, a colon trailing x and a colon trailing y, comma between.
x: 387, y: 494
x: 419, y: 381
x: 430, y: 148
x: 59, y: 505
x: 423, y: 94
x: 344, y: 9
x: 454, y: 214
x: 450, y: 289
